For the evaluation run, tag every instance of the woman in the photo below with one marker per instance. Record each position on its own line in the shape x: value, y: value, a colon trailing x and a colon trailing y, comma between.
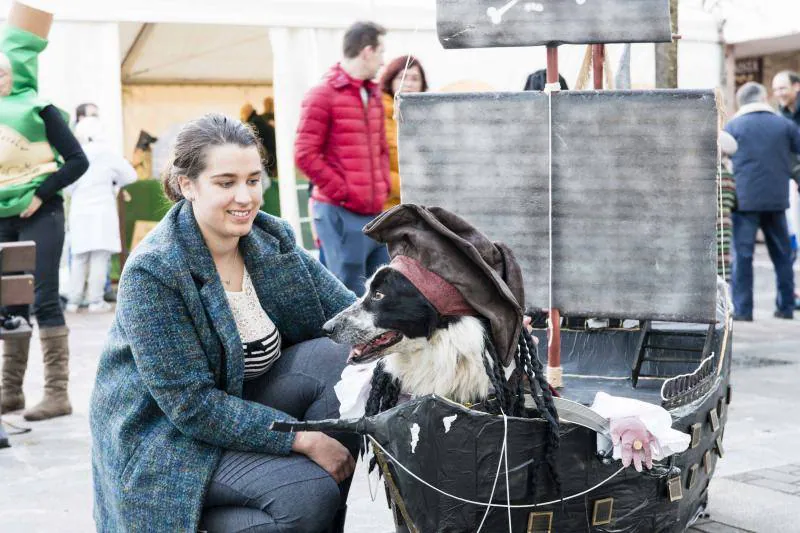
x: 93, y: 218
x: 392, y: 82
x: 39, y: 156
x: 214, y: 339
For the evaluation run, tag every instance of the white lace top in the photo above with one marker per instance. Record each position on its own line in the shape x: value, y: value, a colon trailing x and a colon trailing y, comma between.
x: 261, y: 340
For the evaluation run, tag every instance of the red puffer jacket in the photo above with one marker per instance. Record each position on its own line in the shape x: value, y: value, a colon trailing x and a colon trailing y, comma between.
x: 341, y: 144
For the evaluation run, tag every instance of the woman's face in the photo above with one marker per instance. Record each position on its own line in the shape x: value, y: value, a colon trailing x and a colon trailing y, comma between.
x: 412, y: 82
x: 227, y: 195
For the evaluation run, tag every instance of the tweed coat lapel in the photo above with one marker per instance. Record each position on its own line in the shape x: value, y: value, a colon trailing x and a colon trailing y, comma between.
x: 214, y: 301
x: 275, y: 275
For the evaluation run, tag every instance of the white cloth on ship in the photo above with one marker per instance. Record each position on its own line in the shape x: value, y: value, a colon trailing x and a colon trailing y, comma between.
x: 353, y: 389
x: 656, y: 419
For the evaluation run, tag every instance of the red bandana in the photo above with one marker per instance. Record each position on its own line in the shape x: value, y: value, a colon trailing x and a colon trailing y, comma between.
x: 439, y: 292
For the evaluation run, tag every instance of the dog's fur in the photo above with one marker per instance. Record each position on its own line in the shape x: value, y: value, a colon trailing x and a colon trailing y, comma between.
x: 425, y: 351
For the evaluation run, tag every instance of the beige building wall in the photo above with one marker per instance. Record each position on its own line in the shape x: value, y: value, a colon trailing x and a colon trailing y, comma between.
x: 775, y: 63
x: 156, y: 108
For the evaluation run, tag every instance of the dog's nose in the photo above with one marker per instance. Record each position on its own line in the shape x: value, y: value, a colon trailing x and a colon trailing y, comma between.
x: 329, y: 327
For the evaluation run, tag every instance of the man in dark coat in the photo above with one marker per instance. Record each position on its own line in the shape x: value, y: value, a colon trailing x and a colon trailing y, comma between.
x: 762, y: 167
x: 786, y: 87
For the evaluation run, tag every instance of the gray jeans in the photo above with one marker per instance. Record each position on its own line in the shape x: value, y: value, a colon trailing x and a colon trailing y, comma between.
x: 257, y: 492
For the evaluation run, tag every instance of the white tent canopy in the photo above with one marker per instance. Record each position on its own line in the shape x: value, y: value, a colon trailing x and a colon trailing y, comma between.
x: 99, y: 47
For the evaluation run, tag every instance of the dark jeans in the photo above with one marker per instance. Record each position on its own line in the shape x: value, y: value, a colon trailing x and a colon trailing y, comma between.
x: 776, y: 234
x: 46, y: 229
x: 349, y: 254
x: 258, y: 492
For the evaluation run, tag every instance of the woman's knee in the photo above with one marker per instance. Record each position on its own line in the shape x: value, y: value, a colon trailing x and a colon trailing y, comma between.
x: 313, y: 510
x: 321, y: 358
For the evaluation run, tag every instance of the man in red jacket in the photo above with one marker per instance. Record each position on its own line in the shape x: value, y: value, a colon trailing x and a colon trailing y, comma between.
x: 341, y: 147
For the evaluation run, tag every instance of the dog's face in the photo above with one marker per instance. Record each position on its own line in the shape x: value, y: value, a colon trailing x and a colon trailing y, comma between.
x: 392, y: 316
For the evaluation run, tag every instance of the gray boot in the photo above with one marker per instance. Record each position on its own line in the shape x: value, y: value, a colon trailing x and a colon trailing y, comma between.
x: 55, y: 349
x: 15, y: 361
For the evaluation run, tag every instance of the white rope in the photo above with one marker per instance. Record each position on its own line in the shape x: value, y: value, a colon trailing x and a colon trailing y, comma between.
x: 497, y: 474
x: 403, y: 77
x: 372, y: 495
x: 482, y: 504
x: 550, y: 203
x: 721, y: 254
x: 508, y: 485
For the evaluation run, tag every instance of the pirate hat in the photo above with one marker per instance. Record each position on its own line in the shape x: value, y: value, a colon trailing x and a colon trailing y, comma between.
x: 456, y: 267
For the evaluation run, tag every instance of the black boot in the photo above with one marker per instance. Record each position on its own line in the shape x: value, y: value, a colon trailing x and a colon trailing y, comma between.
x: 4, y: 438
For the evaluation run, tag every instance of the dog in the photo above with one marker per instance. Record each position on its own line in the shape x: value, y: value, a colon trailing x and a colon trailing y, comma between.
x: 427, y: 353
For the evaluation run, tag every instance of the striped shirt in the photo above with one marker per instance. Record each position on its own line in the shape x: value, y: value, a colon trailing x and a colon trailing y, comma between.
x: 261, y: 340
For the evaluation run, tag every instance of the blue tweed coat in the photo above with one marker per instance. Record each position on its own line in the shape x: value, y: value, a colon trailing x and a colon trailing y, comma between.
x: 159, y: 415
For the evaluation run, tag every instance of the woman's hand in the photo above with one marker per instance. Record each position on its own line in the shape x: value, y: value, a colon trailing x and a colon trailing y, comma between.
x: 34, y: 206
x: 327, y: 452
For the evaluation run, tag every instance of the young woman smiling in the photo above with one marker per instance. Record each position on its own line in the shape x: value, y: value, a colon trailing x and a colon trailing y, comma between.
x: 216, y: 336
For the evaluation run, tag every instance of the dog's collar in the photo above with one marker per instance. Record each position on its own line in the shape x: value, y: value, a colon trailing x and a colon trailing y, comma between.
x: 444, y: 297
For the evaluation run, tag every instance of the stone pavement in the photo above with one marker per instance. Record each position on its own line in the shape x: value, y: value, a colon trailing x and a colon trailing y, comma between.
x: 45, y: 478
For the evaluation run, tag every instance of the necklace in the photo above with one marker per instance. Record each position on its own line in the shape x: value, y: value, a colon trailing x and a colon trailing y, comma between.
x: 232, y: 264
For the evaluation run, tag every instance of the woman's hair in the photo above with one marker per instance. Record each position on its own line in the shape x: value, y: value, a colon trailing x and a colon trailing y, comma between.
x: 193, y: 142
x: 395, y: 67
x: 537, y: 80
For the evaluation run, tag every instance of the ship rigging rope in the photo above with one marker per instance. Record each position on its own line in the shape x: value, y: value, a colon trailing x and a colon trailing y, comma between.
x: 489, y: 504
x: 721, y: 243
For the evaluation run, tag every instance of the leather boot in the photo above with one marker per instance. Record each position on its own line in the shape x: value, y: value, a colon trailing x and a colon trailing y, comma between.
x: 55, y: 349
x: 15, y: 361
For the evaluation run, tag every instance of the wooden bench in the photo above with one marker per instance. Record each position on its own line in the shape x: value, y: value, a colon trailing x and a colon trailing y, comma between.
x: 17, y: 264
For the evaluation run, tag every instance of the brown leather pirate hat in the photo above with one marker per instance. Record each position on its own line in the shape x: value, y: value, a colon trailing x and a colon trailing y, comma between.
x: 439, y: 251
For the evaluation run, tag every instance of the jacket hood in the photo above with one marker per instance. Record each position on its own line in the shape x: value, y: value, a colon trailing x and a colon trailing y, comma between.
x: 22, y: 49
x: 338, y: 79
x: 754, y: 108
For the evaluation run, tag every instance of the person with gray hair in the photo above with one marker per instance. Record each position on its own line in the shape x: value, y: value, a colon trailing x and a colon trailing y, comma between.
x: 751, y: 93
x: 762, y: 168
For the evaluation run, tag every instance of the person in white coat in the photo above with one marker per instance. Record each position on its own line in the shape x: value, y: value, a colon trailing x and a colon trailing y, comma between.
x: 93, y: 219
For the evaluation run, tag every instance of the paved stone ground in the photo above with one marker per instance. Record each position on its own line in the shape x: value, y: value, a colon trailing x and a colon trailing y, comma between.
x: 45, y: 478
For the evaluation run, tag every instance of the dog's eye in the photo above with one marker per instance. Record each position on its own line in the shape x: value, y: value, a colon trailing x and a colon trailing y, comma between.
x: 377, y: 296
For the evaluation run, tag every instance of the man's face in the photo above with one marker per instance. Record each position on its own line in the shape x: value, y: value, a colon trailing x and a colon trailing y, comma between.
x: 373, y: 58
x: 6, y: 76
x: 785, y: 92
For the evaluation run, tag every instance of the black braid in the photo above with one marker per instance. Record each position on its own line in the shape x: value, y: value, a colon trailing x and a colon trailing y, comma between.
x: 519, y: 374
x: 383, y: 395
x: 503, y: 392
x: 538, y: 371
x: 534, y: 370
x: 384, y: 391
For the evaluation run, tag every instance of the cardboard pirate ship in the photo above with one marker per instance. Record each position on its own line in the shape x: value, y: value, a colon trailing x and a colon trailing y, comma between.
x: 608, y: 200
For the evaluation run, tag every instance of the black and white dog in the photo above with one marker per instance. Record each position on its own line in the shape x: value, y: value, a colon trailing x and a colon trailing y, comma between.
x: 422, y: 351
x: 450, y: 356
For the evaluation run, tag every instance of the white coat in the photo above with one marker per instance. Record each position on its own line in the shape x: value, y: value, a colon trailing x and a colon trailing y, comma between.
x: 93, y: 219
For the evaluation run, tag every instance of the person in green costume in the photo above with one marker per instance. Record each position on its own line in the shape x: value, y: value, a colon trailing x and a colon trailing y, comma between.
x: 39, y: 156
